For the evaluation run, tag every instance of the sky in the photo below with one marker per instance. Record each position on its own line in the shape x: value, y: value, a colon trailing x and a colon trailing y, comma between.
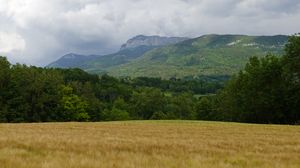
x: 37, y: 32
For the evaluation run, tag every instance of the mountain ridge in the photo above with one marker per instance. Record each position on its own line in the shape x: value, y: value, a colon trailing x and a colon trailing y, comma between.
x: 138, y: 44
x: 210, y: 54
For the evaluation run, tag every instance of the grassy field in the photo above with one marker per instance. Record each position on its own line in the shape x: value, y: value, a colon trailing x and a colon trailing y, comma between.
x: 145, y: 144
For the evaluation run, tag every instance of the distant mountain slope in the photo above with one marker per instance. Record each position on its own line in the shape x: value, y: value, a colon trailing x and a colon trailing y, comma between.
x: 100, y: 64
x: 206, y: 55
x: 69, y: 61
x: 132, y: 49
x: 167, y: 57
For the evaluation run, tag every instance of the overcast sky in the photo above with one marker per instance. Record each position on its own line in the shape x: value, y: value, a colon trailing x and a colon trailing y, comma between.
x: 37, y: 32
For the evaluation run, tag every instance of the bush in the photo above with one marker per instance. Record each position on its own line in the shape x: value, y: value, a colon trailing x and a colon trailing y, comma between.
x: 115, y: 115
x: 159, y: 115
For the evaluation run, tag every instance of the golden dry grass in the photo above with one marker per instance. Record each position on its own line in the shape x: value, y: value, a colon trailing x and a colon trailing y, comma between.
x: 145, y: 144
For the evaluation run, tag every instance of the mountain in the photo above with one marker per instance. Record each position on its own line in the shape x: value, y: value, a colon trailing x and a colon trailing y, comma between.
x: 166, y: 57
x: 70, y: 60
x: 206, y: 55
x: 153, y: 41
x: 132, y: 49
x: 100, y: 64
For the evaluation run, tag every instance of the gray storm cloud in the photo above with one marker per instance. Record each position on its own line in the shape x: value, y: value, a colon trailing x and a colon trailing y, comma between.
x: 38, y: 32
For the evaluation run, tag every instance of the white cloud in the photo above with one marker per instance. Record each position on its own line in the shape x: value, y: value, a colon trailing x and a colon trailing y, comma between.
x: 11, y: 42
x: 55, y: 27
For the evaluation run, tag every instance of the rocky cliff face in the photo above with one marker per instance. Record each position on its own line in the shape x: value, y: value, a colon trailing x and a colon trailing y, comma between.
x: 142, y: 40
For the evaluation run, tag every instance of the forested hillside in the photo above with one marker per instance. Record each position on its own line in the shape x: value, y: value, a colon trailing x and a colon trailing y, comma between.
x: 150, y: 56
x: 206, y: 55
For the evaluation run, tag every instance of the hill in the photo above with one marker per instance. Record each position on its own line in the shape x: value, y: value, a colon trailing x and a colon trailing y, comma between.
x: 70, y: 61
x: 155, y: 56
x: 133, y: 48
x: 206, y: 55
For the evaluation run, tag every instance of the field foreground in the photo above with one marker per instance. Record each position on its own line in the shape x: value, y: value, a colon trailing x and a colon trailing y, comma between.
x: 145, y: 144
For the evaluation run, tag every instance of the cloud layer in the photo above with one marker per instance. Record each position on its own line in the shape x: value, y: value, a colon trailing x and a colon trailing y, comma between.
x: 38, y: 32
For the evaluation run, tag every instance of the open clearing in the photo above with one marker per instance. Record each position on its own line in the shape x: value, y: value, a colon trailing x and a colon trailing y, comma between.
x: 145, y: 144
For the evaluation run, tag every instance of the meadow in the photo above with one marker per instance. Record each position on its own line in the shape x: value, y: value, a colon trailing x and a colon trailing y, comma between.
x: 145, y: 144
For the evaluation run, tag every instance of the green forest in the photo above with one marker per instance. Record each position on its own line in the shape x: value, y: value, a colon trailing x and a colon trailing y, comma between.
x: 267, y: 90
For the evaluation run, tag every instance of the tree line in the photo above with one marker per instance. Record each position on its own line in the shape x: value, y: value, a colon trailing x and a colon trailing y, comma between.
x: 198, y: 85
x: 33, y: 94
x: 267, y: 90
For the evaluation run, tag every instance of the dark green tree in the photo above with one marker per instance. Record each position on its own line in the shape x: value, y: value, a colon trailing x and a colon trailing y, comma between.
x: 146, y: 101
x: 4, y: 82
x: 291, y: 67
x: 204, y: 109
